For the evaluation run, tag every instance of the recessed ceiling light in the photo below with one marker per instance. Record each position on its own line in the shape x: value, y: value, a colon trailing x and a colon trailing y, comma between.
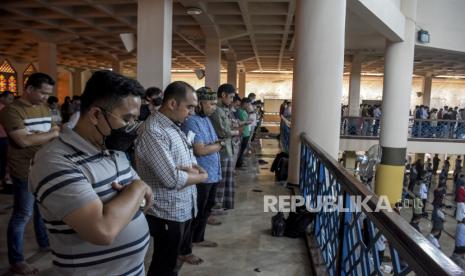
x: 224, y: 49
x: 193, y: 11
x: 291, y: 58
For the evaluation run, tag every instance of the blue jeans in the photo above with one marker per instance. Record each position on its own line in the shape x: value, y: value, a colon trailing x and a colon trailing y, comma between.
x: 24, y: 207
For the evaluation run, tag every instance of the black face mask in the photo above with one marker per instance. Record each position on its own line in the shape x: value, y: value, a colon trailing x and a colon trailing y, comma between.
x: 120, y: 139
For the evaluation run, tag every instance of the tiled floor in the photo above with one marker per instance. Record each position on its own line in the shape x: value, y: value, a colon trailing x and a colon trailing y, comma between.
x: 245, y: 244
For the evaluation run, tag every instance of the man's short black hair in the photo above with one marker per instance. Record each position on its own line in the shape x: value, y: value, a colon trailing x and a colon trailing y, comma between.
x: 152, y: 91
x: 226, y: 88
x: 237, y: 98
x: 246, y: 100
x: 76, y: 98
x: 251, y: 95
x: 52, y: 100
x: 106, y: 89
x: 177, y: 90
x: 37, y: 79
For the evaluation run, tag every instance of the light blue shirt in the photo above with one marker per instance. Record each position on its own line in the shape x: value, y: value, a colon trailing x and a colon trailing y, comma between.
x: 205, y: 134
x: 460, y: 235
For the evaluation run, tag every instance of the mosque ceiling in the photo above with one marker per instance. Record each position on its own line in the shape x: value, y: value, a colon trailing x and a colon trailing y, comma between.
x: 258, y: 34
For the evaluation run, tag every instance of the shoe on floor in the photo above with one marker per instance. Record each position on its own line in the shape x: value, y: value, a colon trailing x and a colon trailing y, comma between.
x: 218, y: 212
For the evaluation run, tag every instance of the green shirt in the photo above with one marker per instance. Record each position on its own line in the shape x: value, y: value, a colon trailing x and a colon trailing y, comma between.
x: 222, y: 125
x: 243, y: 116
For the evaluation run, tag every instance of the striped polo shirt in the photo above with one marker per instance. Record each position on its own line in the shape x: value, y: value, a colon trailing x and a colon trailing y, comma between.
x: 69, y: 173
x: 34, y: 119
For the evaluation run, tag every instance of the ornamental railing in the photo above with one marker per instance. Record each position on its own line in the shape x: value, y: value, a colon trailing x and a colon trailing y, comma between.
x: 418, y: 128
x: 350, y: 242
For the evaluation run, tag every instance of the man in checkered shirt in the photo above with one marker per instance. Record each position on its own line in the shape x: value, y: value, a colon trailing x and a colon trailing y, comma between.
x: 165, y: 161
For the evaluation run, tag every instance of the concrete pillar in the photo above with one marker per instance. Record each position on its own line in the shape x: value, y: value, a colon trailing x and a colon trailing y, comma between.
x: 427, y: 84
x: 116, y: 66
x: 397, y: 88
x: 318, y: 67
x: 354, y: 86
x: 76, y: 76
x: 242, y: 76
x: 154, y: 36
x: 232, y: 72
x: 213, y: 64
x: 48, y: 59
x: 85, y: 76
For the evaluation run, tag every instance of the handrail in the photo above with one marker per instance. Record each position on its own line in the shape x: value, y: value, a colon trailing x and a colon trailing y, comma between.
x: 413, y: 248
x: 418, y: 128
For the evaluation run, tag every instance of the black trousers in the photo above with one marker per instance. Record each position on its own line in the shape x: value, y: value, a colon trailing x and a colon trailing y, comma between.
x: 206, y: 193
x: 240, y: 157
x: 170, y: 239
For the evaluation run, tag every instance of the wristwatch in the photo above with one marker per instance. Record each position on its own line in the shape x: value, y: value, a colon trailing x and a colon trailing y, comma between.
x: 222, y: 143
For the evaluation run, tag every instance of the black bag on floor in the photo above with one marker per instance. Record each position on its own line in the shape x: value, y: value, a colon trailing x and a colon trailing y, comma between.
x: 297, y: 222
x: 278, y: 224
x: 279, y: 166
x: 281, y: 173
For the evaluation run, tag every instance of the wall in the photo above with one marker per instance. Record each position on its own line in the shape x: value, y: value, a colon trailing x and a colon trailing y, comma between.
x: 279, y: 86
x: 63, y: 85
x: 445, y: 21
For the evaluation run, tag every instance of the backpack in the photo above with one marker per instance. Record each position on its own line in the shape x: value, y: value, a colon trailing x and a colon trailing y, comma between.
x: 281, y: 172
x: 297, y: 222
x: 278, y: 225
x: 279, y: 166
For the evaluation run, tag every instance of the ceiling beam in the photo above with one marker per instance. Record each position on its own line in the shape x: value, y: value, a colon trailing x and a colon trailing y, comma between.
x: 290, y: 16
x: 243, y: 5
x: 205, y: 20
x: 234, y: 36
x: 188, y: 58
x: 190, y: 42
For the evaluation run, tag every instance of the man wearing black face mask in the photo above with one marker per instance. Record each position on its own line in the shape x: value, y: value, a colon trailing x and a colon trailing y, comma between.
x: 86, y: 189
x: 151, y: 102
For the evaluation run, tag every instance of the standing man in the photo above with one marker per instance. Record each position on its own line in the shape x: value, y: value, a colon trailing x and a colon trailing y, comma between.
x: 165, y: 161
x: 28, y: 123
x: 223, y: 127
x: 436, y: 161
x: 86, y: 188
x: 244, y: 117
x: 6, y: 98
x: 206, y: 149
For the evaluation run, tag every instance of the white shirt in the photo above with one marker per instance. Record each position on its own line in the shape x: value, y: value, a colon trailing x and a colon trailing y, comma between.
x: 460, y: 214
x: 423, y: 191
x: 381, y: 243
x: 73, y: 120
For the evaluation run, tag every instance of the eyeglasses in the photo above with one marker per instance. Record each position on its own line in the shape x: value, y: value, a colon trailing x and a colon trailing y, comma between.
x: 128, y: 126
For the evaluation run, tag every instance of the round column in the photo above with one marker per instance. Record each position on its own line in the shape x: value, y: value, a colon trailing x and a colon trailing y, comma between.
x: 397, y: 88
x: 318, y: 73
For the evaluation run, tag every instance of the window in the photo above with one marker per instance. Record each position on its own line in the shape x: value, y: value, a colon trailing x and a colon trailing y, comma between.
x: 8, y: 78
x: 29, y: 71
